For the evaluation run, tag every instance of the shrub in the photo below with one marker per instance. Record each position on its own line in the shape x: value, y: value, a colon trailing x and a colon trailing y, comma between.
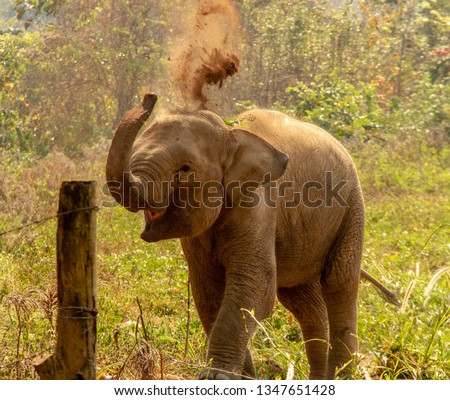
x: 337, y: 106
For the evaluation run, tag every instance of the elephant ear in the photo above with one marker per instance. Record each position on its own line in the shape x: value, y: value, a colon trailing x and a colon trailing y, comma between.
x: 253, y: 162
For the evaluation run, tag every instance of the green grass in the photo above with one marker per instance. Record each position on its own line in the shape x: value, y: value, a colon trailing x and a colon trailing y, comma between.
x: 407, y: 245
x: 406, y: 187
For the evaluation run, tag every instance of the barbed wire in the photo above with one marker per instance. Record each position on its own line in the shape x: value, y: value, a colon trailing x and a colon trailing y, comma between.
x: 46, y: 219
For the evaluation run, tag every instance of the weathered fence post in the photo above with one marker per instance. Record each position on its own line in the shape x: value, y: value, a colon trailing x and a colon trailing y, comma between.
x: 75, y: 353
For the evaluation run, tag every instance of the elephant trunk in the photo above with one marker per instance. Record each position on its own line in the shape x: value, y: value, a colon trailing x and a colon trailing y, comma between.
x: 122, y: 184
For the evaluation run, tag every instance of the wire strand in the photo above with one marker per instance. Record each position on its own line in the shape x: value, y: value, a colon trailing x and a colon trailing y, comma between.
x: 46, y: 219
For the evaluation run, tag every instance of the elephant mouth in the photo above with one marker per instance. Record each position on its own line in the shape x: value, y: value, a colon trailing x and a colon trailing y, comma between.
x: 153, y: 215
x: 154, y: 219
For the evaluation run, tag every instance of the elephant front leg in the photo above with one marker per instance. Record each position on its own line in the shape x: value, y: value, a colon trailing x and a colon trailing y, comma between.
x: 207, y: 281
x: 249, y: 297
x: 248, y: 371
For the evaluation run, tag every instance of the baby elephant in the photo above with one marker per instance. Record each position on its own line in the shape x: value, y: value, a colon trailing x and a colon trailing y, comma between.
x: 270, y: 207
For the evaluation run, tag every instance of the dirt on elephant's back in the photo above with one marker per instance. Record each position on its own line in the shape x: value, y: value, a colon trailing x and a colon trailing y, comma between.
x: 207, y: 56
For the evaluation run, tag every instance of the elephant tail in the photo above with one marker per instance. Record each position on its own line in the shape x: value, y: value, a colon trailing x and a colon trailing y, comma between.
x: 387, y: 294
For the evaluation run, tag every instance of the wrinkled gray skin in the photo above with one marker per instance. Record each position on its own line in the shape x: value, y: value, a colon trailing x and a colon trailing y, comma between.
x: 242, y: 258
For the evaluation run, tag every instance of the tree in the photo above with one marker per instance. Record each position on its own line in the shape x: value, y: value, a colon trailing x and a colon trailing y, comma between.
x: 15, y: 115
x: 94, y: 59
x: 306, y: 41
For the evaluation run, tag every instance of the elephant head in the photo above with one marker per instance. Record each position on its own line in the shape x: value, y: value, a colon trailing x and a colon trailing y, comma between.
x: 183, y: 167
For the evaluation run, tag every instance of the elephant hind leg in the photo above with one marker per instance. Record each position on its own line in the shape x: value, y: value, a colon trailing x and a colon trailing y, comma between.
x: 340, y: 282
x: 341, y: 306
x: 307, y: 305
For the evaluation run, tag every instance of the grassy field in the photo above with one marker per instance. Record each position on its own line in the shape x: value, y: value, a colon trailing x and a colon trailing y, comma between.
x: 406, y: 186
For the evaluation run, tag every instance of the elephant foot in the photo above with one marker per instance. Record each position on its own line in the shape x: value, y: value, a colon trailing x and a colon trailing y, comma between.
x: 211, y: 375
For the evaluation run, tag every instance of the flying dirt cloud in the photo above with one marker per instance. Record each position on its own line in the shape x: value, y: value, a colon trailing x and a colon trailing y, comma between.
x: 207, y: 55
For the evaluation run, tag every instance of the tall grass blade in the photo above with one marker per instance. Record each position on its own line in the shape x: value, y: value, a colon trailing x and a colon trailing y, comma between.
x: 407, y: 296
x: 434, y: 280
x: 290, y: 370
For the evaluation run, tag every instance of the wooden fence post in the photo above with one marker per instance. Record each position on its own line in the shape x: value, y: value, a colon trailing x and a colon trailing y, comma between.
x: 75, y: 353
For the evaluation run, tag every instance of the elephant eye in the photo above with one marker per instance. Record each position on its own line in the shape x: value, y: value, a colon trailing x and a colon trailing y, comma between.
x: 184, y: 168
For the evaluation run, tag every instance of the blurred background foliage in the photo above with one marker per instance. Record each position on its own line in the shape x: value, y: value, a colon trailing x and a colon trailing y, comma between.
x: 70, y: 69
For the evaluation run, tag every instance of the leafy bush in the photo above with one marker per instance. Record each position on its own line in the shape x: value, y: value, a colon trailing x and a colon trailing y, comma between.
x: 426, y: 114
x: 338, y: 107
x: 15, y: 113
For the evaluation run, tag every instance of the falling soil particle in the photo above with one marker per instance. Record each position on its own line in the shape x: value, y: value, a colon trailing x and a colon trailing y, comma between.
x: 207, y: 56
x: 213, y: 71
